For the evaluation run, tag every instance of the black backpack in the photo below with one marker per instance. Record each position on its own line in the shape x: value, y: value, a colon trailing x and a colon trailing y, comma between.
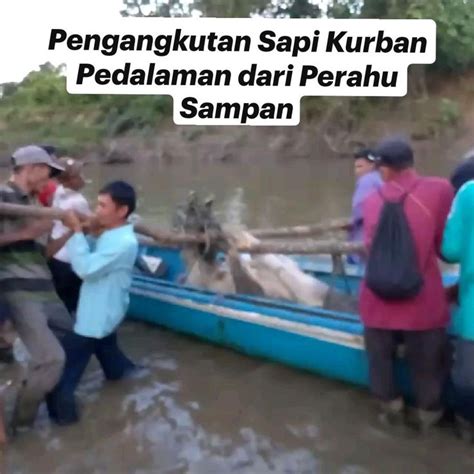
x: 392, y: 268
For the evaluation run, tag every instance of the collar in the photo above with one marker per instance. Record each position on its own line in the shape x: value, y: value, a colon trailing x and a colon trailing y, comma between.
x: 405, y: 179
x: 126, y: 228
x: 62, y: 191
x: 368, y: 176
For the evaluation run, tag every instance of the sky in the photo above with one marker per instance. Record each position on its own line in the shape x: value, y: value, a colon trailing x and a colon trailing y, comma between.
x: 25, y: 26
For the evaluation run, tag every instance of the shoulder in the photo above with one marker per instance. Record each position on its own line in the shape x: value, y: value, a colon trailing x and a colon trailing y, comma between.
x: 370, y: 179
x: 124, y: 239
x: 467, y: 188
x: 466, y: 192
x: 80, y: 201
x: 439, y: 186
x: 7, y: 194
x: 132, y: 241
x: 436, y: 181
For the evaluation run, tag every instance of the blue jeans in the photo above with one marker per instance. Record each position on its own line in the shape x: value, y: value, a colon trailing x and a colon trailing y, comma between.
x: 462, y: 379
x: 79, y: 349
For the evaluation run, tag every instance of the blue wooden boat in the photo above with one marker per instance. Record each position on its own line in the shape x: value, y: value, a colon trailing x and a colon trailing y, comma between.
x: 324, y: 342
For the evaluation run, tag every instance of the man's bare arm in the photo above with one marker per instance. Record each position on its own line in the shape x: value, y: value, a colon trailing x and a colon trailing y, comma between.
x: 29, y: 232
x: 12, y: 237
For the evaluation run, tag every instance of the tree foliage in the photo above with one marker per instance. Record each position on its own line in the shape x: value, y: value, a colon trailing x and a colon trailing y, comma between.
x: 41, y: 104
x: 454, y: 18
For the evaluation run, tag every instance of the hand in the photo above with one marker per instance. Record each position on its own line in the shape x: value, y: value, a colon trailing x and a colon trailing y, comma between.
x: 244, y: 239
x: 37, y: 229
x: 72, y: 221
x: 92, y: 227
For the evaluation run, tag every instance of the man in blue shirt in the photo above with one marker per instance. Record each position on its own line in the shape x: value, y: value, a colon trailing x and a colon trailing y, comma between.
x: 368, y: 181
x: 105, y: 265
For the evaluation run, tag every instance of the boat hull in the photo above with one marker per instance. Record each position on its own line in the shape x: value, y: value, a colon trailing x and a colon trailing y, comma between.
x: 326, y: 343
x: 327, y: 352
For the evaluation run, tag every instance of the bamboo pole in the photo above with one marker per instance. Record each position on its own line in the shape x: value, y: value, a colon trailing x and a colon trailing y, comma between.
x: 163, y: 237
x: 302, y: 230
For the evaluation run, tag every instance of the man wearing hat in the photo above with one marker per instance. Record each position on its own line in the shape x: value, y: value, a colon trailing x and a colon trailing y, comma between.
x: 419, y: 321
x: 68, y: 198
x: 38, y: 316
x: 368, y: 181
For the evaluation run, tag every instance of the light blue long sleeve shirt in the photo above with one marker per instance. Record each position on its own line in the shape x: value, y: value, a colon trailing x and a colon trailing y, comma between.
x: 105, y: 265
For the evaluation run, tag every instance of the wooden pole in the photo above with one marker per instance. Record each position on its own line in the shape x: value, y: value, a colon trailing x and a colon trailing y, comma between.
x: 313, y: 247
x: 160, y: 235
x: 163, y: 237
x: 305, y: 248
x: 302, y: 230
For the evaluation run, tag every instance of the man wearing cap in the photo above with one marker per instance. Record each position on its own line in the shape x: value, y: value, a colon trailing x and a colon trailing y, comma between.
x: 68, y: 198
x: 420, y: 321
x: 39, y: 317
x: 368, y: 181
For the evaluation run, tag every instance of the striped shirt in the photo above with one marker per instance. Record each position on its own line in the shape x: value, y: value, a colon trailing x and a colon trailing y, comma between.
x: 23, y: 267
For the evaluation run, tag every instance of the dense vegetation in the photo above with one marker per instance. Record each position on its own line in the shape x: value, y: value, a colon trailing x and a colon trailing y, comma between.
x: 40, y: 106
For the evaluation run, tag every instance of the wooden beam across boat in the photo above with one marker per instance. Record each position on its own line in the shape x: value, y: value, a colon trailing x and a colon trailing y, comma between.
x: 302, y: 230
x: 165, y: 237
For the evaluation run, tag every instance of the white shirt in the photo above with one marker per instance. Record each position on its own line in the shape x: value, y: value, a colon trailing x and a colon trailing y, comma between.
x: 68, y: 200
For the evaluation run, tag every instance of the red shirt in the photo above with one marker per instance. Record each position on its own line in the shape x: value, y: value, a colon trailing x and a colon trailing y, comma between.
x: 426, y: 208
x: 46, y: 195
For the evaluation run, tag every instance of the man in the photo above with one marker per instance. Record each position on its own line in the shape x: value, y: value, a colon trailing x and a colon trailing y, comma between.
x: 66, y: 197
x: 105, y: 267
x: 7, y: 333
x: 458, y: 246
x: 419, y: 321
x: 368, y: 181
x: 27, y: 285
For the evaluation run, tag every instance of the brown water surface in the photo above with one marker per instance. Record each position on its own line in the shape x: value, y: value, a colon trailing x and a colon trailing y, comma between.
x: 202, y: 409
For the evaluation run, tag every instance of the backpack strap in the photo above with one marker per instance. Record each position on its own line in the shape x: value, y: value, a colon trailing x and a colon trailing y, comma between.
x: 415, y: 199
x: 405, y: 194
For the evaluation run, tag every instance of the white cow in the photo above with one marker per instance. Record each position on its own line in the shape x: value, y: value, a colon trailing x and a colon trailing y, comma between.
x: 273, y: 276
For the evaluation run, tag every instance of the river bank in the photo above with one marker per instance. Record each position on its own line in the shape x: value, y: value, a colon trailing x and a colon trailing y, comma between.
x: 436, y: 115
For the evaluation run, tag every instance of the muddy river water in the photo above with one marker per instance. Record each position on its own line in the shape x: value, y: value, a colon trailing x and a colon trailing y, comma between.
x: 203, y: 409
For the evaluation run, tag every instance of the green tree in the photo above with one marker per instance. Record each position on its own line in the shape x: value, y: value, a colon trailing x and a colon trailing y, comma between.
x: 454, y: 21
x: 297, y: 9
x: 224, y: 8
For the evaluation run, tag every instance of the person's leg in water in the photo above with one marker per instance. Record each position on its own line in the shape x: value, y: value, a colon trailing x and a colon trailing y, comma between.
x: 381, y: 347
x: 427, y: 356
x: 61, y: 401
x: 40, y: 326
x: 462, y: 378
x: 115, y: 364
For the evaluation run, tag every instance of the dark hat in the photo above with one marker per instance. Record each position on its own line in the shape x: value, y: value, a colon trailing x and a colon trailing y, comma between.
x: 394, y: 153
x: 464, y: 172
x: 366, y: 153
